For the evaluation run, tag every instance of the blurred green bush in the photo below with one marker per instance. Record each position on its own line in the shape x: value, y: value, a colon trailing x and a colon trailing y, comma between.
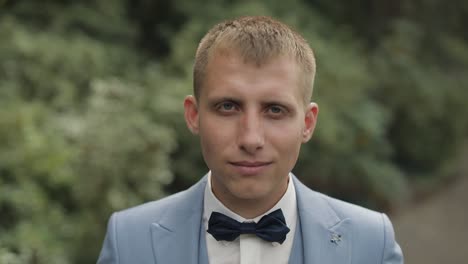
x: 91, y: 114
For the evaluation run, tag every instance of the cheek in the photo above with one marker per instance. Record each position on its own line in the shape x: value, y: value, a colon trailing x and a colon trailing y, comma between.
x: 287, y: 136
x: 287, y: 142
x: 214, y: 137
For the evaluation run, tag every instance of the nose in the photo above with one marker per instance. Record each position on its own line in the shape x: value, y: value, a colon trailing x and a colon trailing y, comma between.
x: 250, y: 132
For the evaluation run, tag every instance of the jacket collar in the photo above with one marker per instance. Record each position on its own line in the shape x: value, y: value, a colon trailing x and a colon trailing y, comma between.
x: 326, y: 237
x: 176, y: 235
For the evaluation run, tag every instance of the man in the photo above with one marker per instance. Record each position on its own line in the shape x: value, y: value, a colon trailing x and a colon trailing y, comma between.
x: 251, y: 108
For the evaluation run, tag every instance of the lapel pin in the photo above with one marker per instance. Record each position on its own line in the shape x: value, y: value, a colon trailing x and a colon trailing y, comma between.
x: 335, y: 238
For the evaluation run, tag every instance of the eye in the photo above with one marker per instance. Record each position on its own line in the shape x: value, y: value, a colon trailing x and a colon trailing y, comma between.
x: 226, y: 107
x: 278, y: 111
x: 275, y: 109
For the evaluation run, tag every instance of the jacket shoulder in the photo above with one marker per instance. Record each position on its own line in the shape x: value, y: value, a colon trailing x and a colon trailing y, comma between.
x: 372, y: 229
x: 345, y: 210
x: 371, y: 233
x: 151, y: 212
x: 128, y: 238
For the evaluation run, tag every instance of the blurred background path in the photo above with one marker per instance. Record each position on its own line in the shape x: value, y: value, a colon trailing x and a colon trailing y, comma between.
x: 436, y: 230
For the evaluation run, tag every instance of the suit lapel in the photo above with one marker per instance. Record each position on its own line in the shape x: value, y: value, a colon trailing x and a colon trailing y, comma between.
x: 326, y: 237
x: 176, y: 235
x: 297, y: 255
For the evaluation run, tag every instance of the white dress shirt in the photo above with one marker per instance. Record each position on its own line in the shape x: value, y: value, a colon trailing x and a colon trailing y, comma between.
x: 248, y: 248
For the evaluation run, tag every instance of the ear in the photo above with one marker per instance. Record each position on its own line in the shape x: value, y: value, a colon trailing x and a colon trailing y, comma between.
x: 191, y: 113
x: 310, y: 120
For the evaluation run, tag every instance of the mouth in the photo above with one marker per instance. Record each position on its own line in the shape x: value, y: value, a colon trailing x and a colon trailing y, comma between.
x: 250, y: 168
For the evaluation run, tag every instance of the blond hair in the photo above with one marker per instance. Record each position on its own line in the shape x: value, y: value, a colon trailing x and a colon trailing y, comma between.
x: 256, y: 39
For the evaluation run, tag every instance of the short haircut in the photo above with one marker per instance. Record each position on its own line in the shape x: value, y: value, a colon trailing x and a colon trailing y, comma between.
x: 257, y: 39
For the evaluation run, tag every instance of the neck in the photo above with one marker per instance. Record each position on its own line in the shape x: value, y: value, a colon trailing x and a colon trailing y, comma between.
x: 251, y: 208
x: 248, y: 207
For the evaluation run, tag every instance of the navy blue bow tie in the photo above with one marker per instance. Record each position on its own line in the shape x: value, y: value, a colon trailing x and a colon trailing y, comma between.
x: 271, y: 227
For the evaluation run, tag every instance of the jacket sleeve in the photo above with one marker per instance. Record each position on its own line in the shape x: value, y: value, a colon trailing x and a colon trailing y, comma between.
x: 109, y: 252
x: 392, y: 253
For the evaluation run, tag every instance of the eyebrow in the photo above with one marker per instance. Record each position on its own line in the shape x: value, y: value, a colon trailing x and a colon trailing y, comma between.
x: 214, y: 100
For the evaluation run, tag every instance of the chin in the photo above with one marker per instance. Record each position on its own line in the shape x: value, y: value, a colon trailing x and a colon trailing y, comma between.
x: 250, y: 193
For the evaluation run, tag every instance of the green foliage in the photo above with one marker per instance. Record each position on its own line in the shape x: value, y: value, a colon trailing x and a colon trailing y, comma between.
x: 349, y: 156
x: 426, y: 96
x: 31, y: 198
x: 91, y: 114
x: 122, y: 159
x: 79, y: 136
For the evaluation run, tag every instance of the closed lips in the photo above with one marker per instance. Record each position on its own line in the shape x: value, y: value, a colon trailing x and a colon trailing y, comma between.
x: 250, y: 164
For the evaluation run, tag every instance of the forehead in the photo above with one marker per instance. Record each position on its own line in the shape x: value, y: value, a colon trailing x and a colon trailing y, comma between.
x: 229, y: 74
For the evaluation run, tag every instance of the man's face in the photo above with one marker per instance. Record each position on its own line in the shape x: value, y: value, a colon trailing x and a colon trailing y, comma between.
x: 251, y: 121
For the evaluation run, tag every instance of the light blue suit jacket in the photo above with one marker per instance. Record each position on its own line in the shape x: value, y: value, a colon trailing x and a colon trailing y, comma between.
x: 170, y: 231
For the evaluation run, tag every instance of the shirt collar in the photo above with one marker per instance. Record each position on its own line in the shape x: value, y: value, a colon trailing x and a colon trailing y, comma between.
x: 287, y: 204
